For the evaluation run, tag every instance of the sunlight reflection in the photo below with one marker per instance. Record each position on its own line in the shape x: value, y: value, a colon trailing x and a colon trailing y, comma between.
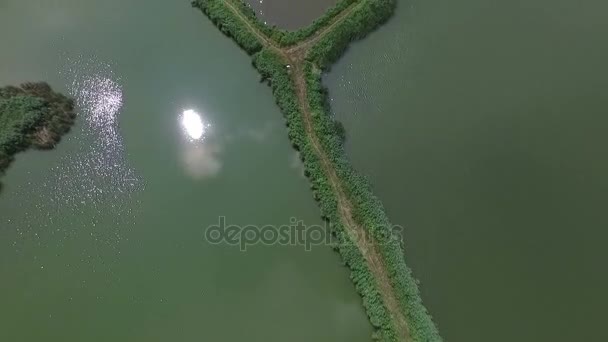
x: 200, y: 160
x: 193, y: 124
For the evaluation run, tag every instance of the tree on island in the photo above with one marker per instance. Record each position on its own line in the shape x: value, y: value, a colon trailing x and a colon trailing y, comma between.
x: 32, y: 115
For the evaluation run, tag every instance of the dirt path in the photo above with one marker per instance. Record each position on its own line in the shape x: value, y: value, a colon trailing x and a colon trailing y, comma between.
x: 301, y: 49
x: 295, y: 56
x: 261, y: 36
x: 357, y: 233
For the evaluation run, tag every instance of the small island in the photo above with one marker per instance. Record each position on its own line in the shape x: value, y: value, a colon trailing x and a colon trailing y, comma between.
x: 32, y: 115
x: 292, y: 64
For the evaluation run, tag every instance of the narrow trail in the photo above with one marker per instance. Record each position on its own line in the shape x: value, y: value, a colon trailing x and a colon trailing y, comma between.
x: 302, y: 48
x: 295, y: 55
x: 364, y: 241
x: 261, y: 36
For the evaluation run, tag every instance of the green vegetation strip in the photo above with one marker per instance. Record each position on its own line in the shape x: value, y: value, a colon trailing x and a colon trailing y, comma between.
x: 32, y: 115
x: 389, y: 291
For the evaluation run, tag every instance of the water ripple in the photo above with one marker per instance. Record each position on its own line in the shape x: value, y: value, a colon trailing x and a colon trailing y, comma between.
x: 91, y: 191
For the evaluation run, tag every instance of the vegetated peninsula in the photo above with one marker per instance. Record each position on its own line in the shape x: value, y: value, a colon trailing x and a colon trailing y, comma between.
x: 292, y: 63
x: 32, y: 115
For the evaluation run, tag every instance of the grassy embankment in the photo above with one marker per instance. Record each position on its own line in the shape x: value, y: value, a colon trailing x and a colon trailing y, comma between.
x: 357, y: 218
x: 32, y: 115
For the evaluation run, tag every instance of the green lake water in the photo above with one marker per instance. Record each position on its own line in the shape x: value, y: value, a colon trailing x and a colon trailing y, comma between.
x: 482, y: 126
x: 102, y: 238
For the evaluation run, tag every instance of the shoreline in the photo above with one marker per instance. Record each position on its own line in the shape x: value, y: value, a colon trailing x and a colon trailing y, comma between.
x: 292, y: 63
x: 32, y: 115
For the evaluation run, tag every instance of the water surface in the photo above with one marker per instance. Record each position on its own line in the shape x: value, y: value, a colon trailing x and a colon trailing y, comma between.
x: 481, y: 125
x: 102, y: 238
x: 290, y: 14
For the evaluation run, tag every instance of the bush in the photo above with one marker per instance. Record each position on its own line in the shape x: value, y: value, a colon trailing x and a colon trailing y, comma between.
x: 363, y: 20
x: 229, y: 23
x: 32, y: 115
x: 369, y: 213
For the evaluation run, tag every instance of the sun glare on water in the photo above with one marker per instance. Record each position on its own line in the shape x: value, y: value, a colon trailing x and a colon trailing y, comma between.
x: 193, y: 124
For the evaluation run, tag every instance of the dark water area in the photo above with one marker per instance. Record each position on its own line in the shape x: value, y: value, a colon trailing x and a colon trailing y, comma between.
x: 482, y: 126
x: 290, y: 14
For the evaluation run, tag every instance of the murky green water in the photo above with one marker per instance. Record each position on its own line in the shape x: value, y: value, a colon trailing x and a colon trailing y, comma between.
x: 102, y: 239
x: 290, y: 14
x: 482, y: 125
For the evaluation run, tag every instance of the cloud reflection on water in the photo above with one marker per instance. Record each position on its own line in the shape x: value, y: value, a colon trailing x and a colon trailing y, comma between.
x: 202, y: 160
x: 200, y: 157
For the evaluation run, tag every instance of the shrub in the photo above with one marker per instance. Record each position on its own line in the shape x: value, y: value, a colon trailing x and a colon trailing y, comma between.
x: 25, y: 113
